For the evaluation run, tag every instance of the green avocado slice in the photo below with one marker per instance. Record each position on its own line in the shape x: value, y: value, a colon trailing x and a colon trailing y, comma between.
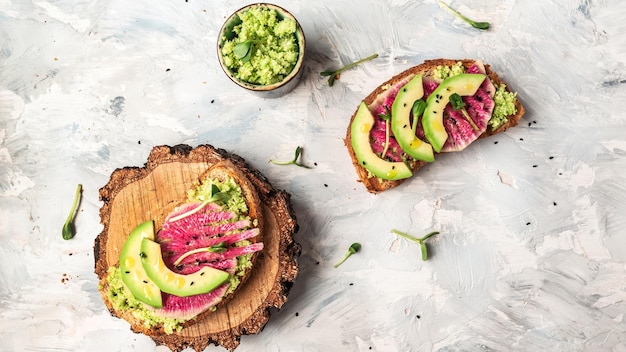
x: 360, y: 139
x: 401, y: 124
x: 432, y: 121
x: 202, y: 281
x: 133, y: 274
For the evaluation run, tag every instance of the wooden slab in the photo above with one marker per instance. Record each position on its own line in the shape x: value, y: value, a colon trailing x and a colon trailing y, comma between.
x: 134, y: 195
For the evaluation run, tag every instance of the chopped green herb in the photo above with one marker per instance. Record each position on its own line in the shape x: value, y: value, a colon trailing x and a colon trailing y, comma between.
x: 420, y: 241
x: 292, y: 162
x: 478, y: 25
x: 334, y: 75
x: 354, y: 248
x: 69, y: 230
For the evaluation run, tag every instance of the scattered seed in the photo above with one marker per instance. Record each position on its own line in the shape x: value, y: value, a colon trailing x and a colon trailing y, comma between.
x: 325, y: 185
x: 167, y: 70
x: 528, y: 223
x: 521, y: 139
x: 554, y: 203
x: 418, y: 317
x: 496, y: 142
x: 535, y: 165
x: 297, y: 314
x: 351, y: 284
x: 551, y: 158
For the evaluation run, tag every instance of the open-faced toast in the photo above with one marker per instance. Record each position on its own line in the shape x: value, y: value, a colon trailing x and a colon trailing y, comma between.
x: 206, y: 214
x: 383, y: 161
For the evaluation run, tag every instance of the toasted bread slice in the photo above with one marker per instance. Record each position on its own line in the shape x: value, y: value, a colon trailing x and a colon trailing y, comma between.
x: 374, y: 184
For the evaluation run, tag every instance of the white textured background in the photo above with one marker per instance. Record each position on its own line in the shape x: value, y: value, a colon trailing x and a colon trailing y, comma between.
x: 531, y: 255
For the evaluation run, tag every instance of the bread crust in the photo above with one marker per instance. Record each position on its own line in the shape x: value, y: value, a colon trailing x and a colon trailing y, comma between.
x: 377, y: 185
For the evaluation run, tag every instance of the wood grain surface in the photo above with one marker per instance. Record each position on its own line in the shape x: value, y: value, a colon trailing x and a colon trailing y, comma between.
x: 134, y: 195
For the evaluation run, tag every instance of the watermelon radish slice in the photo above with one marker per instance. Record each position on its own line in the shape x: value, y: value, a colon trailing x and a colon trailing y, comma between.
x: 207, y: 227
x: 479, y: 106
x: 188, y: 307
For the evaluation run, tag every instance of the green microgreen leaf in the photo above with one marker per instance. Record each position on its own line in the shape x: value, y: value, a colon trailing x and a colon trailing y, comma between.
x: 292, y: 162
x: 386, y: 116
x: 69, y: 230
x: 420, y: 241
x: 477, y: 25
x: 334, y: 75
x: 418, y: 110
x: 354, y: 248
x: 457, y: 103
x: 243, y: 50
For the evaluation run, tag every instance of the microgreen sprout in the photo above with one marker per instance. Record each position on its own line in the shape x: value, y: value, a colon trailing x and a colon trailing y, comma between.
x: 354, y: 248
x: 418, y: 110
x: 243, y: 50
x: 386, y: 117
x: 217, y: 248
x: 457, y: 103
x: 420, y: 241
x: 69, y: 230
x: 478, y: 25
x: 292, y: 162
x: 216, y: 196
x: 334, y: 75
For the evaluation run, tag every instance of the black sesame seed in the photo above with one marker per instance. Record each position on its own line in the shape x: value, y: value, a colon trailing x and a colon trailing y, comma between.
x: 126, y: 272
x: 418, y: 316
x: 167, y: 70
x: 202, y: 273
x: 535, y: 165
x: 496, y: 142
x: 325, y: 185
x: 297, y: 314
x: 404, y: 105
x: 212, y: 101
x: 528, y: 223
x: 530, y: 124
x: 554, y: 203
x: 521, y: 139
x: 551, y: 158
x: 191, y: 283
x: 351, y: 284
x: 145, y: 282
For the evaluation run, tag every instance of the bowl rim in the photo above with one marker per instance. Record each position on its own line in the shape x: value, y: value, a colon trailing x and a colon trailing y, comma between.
x: 299, y: 38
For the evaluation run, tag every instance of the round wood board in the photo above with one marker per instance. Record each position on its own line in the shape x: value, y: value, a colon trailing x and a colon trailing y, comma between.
x: 134, y: 195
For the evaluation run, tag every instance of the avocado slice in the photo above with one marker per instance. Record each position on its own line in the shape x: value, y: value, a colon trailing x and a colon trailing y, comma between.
x: 202, y: 281
x: 401, y: 124
x: 432, y: 121
x: 131, y: 270
x: 360, y: 139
